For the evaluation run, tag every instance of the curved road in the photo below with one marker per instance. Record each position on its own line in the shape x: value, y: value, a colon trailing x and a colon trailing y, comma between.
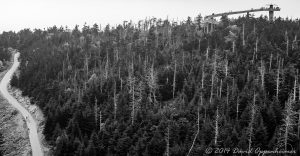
x: 33, y: 135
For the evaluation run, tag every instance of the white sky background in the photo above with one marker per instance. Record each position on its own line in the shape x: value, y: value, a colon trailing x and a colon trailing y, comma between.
x: 19, y: 14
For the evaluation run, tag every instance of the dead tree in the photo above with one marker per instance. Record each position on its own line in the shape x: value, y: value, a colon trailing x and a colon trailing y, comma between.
x: 106, y: 65
x: 202, y: 87
x: 213, y: 77
x: 136, y: 88
x: 216, y: 128
x: 299, y: 92
x: 226, y: 67
x: 295, y: 43
x: 295, y: 86
x: 256, y: 48
x: 202, y: 76
x: 96, y: 112
x: 298, y: 123
x: 237, y: 107
x: 252, y: 121
x: 270, y: 65
x: 221, y: 85
x: 198, y: 113
x: 278, y: 83
x: 183, y: 60
x: 115, y: 101
x: 131, y: 83
x: 152, y: 79
x: 167, y: 153
x: 227, y: 100
x: 117, y: 55
x: 207, y: 53
x: 100, y: 120
x: 287, y: 128
x: 86, y: 68
x: 287, y: 43
x: 244, y: 44
x: 174, y: 77
x: 262, y: 73
x: 248, y: 76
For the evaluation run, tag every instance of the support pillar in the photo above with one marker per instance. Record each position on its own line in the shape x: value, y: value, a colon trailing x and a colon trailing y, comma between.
x: 271, y: 13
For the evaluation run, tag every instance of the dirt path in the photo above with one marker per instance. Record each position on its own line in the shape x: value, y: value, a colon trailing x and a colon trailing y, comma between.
x: 31, y: 124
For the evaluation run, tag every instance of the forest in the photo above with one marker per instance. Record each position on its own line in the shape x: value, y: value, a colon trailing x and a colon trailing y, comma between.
x: 160, y: 87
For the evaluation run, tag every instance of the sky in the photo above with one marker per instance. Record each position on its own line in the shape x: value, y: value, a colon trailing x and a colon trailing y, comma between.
x: 19, y: 14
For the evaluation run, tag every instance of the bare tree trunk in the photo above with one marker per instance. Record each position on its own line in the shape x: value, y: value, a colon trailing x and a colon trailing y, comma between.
x: 294, y: 42
x: 244, y: 35
x: 253, y: 111
x: 256, y: 48
x: 198, y: 118
x: 295, y: 88
x: 288, y: 122
x: 277, y: 83
x: 117, y: 55
x: 100, y: 121
x: 106, y: 66
x: 174, y: 78
x: 183, y: 60
x: 227, y: 100
x: 233, y: 47
x: 131, y: 84
x: 207, y: 53
x: 202, y: 87
x: 212, y: 79
x: 217, y: 88
x: 298, y: 123
x: 226, y: 67
x: 262, y: 73
x: 299, y: 92
x: 253, y: 57
x: 133, y: 105
x: 115, y: 101
x: 221, y: 85
x: 168, y: 141
x: 152, y: 82
x: 237, y: 107
x: 270, y: 66
x: 63, y: 71
x: 96, y: 112
x: 287, y: 43
x: 216, y: 128
x: 248, y: 76
x: 202, y: 76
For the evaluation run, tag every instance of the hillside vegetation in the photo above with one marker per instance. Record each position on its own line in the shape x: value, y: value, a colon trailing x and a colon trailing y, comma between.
x: 164, y: 88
